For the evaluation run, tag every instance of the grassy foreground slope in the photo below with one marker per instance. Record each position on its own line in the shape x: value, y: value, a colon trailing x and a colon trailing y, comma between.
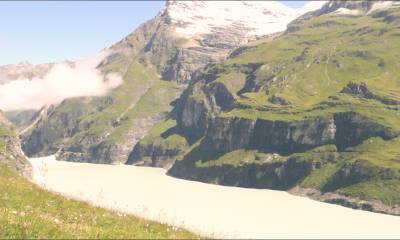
x: 27, y: 211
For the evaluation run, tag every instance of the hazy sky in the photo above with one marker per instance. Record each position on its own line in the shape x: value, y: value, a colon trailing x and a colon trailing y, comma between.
x: 53, y: 31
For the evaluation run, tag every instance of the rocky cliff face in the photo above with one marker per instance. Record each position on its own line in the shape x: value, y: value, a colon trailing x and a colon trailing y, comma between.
x: 44, y: 138
x: 344, y: 130
x: 155, y: 154
x: 274, y: 175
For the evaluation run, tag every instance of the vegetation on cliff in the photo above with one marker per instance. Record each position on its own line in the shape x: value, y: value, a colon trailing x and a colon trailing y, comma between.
x: 317, y: 107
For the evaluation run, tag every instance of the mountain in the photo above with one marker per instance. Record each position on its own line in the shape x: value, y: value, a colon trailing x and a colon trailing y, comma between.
x: 160, y: 147
x: 23, y: 70
x: 205, y: 31
x: 314, y: 111
x: 157, y: 62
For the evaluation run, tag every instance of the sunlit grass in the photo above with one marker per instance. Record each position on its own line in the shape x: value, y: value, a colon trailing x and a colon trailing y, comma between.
x: 27, y: 211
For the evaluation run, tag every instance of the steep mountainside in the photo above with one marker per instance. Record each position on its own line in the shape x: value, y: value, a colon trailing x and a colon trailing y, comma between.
x: 10, y: 148
x: 21, y: 118
x: 157, y: 62
x: 315, y: 110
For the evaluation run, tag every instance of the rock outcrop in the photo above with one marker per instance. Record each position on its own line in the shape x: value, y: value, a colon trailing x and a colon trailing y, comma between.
x: 278, y: 175
x: 155, y: 154
x: 10, y: 148
x: 361, y: 90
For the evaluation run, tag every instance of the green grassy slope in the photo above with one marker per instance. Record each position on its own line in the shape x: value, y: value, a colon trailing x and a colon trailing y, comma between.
x: 160, y: 146
x: 310, y: 66
x: 376, y: 157
x: 112, y: 117
x: 29, y: 212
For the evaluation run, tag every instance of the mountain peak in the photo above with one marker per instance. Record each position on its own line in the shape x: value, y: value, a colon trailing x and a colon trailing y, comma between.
x: 24, y: 63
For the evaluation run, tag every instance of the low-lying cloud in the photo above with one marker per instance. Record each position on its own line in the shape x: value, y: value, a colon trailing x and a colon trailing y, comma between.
x: 64, y: 80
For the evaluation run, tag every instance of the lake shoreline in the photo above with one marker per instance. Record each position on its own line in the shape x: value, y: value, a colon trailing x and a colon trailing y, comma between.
x: 207, y: 209
x: 346, y: 201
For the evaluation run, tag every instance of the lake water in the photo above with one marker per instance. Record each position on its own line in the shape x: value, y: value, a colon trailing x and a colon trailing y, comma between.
x: 210, y: 210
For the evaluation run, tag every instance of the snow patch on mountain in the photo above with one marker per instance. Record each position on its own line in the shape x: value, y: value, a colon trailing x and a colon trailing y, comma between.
x: 346, y: 11
x: 342, y: 7
x: 259, y: 17
x: 382, y: 5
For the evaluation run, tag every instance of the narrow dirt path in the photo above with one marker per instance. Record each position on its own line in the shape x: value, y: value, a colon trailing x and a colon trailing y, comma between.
x: 43, y: 112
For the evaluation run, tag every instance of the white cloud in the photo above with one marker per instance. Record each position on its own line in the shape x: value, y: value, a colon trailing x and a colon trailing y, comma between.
x: 63, y: 81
